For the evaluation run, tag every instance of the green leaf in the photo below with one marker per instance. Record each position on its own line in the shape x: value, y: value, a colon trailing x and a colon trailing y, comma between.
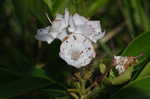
x: 140, y: 16
x: 38, y: 8
x: 138, y: 89
x: 138, y: 46
x: 21, y: 10
x: 145, y: 72
x: 54, y: 92
x: 123, y: 77
x: 6, y: 76
x: 16, y: 62
x: 38, y: 72
x: 59, y: 5
x: 22, y: 86
x: 49, y: 3
x: 95, y: 5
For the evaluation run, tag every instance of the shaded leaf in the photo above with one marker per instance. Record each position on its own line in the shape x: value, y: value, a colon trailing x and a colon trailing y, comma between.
x: 123, y: 77
x: 6, y: 76
x: 54, y: 92
x: 14, y: 61
x: 145, y: 72
x: 138, y: 89
x: 37, y: 72
x: 22, y: 86
x: 21, y: 10
x: 138, y: 46
x: 49, y: 3
x: 95, y: 5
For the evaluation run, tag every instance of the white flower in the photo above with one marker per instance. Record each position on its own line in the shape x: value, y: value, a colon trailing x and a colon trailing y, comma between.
x: 77, y: 51
x: 57, y: 30
x: 77, y: 34
x: 90, y: 29
x: 120, y: 62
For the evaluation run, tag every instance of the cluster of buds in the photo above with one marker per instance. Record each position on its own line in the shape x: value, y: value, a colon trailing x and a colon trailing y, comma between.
x: 77, y: 35
x: 122, y: 63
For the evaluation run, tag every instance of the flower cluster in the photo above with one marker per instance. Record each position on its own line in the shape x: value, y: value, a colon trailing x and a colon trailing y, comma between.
x: 77, y: 35
x: 122, y: 63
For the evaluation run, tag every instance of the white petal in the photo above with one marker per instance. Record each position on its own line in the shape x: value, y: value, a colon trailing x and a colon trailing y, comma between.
x: 77, y: 51
x: 58, y: 25
x: 79, y: 20
x: 44, y: 35
x: 43, y: 30
x: 90, y: 29
x: 120, y: 68
x: 95, y: 25
x: 78, y: 28
x: 120, y: 62
x: 95, y: 32
x: 59, y: 16
x: 96, y: 36
x: 61, y: 36
x: 66, y: 17
x: 46, y: 38
x: 72, y: 26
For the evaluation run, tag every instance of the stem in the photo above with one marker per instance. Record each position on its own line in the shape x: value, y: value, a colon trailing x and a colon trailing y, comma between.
x: 112, y: 33
x: 74, y: 95
x: 106, y: 49
x: 74, y: 90
x: 99, y: 79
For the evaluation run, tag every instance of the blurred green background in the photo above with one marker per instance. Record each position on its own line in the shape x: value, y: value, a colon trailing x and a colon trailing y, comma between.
x: 22, y: 56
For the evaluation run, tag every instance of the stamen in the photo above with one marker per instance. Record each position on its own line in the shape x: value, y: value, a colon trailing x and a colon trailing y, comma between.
x: 48, y: 18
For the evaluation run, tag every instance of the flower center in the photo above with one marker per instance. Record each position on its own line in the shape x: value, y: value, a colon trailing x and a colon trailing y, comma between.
x: 75, y: 55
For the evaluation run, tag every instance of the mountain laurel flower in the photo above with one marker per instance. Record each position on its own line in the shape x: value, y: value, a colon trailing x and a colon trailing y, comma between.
x: 77, y: 51
x: 90, y: 29
x: 77, y: 35
x: 122, y: 63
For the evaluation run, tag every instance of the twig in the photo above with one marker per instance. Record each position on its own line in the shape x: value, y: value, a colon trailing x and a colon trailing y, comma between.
x: 99, y: 79
x: 74, y: 95
x: 112, y: 33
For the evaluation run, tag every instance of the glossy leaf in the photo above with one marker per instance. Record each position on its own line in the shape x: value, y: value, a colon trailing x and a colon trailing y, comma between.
x: 123, y: 77
x: 145, y: 72
x: 139, y: 46
x: 138, y: 89
x: 22, y: 86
